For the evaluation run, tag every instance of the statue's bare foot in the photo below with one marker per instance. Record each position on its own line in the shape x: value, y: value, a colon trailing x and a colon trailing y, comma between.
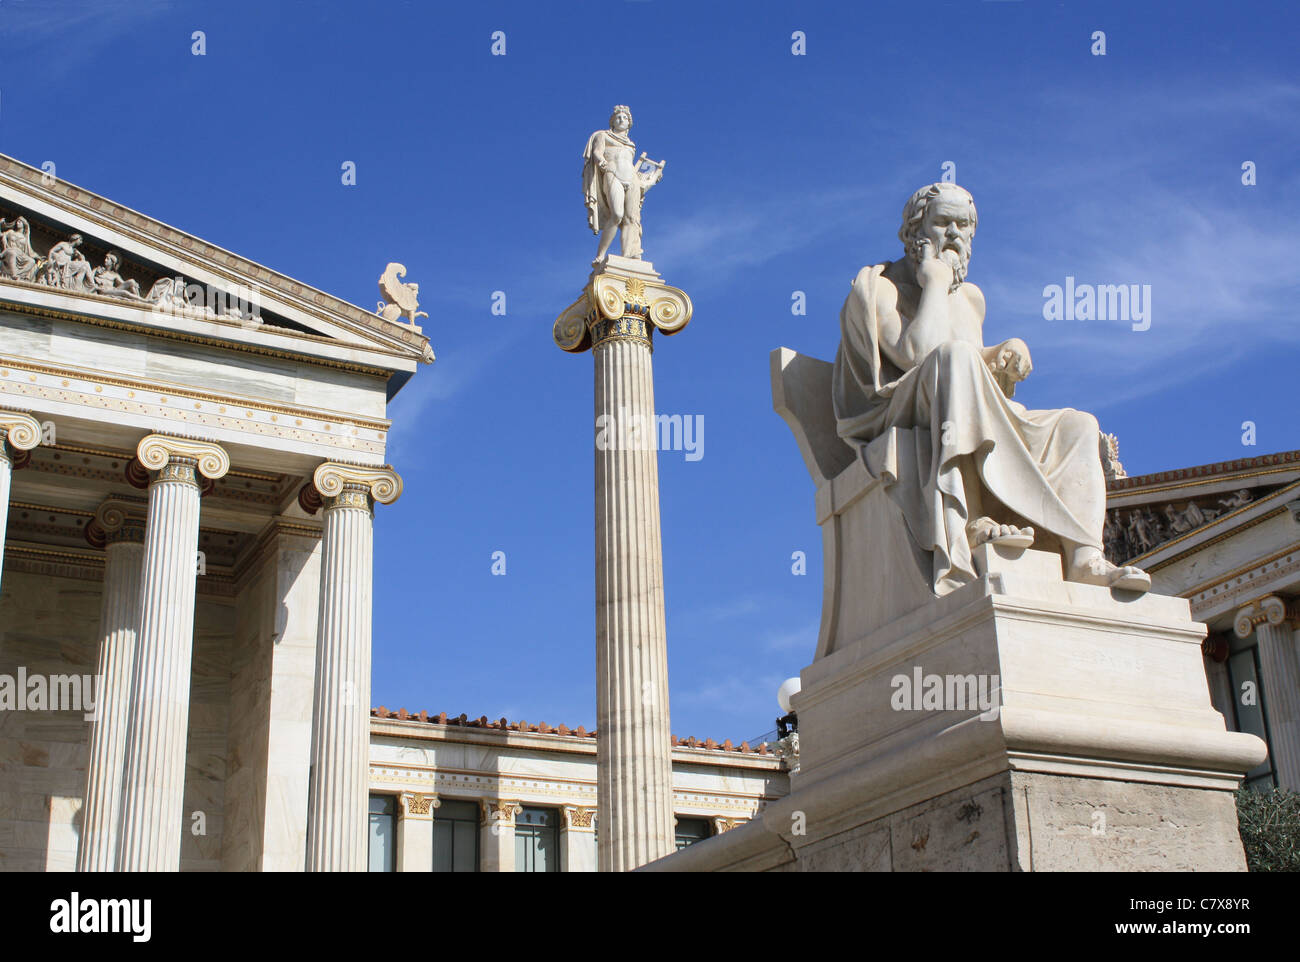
x: 1098, y: 571
x: 1007, y: 535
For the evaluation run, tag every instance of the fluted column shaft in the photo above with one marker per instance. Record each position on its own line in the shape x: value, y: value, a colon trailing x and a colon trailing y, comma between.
x: 340, y: 735
x: 119, y: 622
x: 340, y: 729
x: 6, y: 482
x: 1281, y: 671
x: 153, y: 787
x: 634, y: 754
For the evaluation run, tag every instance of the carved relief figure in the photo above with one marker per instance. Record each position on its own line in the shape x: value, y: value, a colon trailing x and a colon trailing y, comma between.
x: 930, y: 408
x: 67, y: 268
x: 108, y: 281
x: 614, y: 185
x: 18, y: 260
x: 1238, y: 499
x: 1139, y: 533
x: 168, y: 293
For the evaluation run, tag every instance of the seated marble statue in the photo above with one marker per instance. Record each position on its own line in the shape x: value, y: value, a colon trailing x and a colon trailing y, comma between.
x: 930, y: 408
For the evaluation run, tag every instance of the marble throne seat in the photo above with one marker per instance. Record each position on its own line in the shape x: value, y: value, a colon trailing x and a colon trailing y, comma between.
x: 874, y: 572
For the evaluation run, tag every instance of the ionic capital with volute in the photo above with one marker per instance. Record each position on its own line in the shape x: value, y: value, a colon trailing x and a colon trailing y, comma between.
x: 1272, y: 610
x: 356, y: 486
x: 178, y: 459
x: 18, y: 431
x: 621, y: 305
x: 116, y: 520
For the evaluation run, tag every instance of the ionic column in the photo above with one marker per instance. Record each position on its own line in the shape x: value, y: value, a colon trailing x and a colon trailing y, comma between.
x: 1272, y: 620
x: 616, y: 318
x: 18, y: 432
x: 153, y: 788
x: 340, y: 734
x: 118, y: 527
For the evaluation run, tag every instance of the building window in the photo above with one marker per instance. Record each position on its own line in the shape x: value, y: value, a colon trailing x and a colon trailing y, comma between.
x: 690, y: 831
x: 537, y: 840
x: 1248, y: 707
x: 455, y: 837
x: 383, y: 833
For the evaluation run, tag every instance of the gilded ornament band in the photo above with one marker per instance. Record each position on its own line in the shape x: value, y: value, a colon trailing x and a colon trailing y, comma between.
x: 351, y: 496
x: 629, y: 327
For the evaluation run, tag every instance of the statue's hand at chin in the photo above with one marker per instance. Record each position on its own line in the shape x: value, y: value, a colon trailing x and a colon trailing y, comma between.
x: 931, y: 270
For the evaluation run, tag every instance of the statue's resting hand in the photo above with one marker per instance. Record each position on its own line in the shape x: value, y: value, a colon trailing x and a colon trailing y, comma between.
x: 1011, y: 359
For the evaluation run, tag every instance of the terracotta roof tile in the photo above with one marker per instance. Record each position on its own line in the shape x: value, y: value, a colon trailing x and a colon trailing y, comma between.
x: 464, y: 721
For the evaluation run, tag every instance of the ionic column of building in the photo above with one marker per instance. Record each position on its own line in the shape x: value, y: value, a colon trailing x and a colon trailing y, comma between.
x: 616, y: 318
x: 18, y: 432
x: 153, y: 786
x: 1272, y: 619
x: 118, y: 527
x: 340, y: 735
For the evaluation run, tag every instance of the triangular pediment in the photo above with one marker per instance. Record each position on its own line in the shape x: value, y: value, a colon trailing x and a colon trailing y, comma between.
x: 72, y: 252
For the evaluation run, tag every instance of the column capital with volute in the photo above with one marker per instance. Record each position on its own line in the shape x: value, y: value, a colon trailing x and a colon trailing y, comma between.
x: 19, y: 431
x: 177, y: 459
x: 354, y: 485
x: 1272, y: 610
x: 117, y: 520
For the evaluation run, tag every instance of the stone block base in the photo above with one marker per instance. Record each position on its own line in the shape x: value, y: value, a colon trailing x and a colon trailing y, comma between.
x: 1027, y: 821
x: 1022, y: 723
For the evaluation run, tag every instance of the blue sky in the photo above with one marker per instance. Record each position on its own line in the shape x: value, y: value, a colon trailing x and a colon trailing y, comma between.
x: 785, y: 173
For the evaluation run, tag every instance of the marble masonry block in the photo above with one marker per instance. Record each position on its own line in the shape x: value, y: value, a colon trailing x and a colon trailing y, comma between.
x: 48, y: 626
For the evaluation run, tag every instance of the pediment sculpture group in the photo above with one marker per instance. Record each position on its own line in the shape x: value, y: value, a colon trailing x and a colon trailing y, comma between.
x: 66, y: 268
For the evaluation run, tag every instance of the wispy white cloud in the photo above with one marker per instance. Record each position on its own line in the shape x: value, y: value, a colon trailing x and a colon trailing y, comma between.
x: 74, y: 30
x: 735, y: 700
x: 729, y: 610
x: 732, y: 235
x: 802, y: 638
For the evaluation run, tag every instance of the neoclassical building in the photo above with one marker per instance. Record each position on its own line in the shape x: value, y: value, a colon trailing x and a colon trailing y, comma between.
x: 1226, y: 536
x: 193, y: 448
x: 477, y: 795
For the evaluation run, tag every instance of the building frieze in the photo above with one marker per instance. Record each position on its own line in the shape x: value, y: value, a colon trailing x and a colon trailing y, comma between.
x: 196, y: 409
x: 237, y: 346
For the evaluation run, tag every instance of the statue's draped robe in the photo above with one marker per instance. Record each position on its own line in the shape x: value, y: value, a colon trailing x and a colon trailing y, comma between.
x: 915, y: 428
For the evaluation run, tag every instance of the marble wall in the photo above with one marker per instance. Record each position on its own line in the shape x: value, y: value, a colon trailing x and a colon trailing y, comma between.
x: 272, y: 676
x: 50, y: 625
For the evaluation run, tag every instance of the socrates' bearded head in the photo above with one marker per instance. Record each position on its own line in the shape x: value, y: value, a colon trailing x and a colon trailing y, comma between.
x: 944, y: 217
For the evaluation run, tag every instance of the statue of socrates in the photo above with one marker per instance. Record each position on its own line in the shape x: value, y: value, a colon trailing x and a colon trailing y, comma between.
x: 930, y: 408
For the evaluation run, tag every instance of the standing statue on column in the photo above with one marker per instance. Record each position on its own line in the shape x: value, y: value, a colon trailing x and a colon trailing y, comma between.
x: 614, y: 184
x: 929, y: 407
